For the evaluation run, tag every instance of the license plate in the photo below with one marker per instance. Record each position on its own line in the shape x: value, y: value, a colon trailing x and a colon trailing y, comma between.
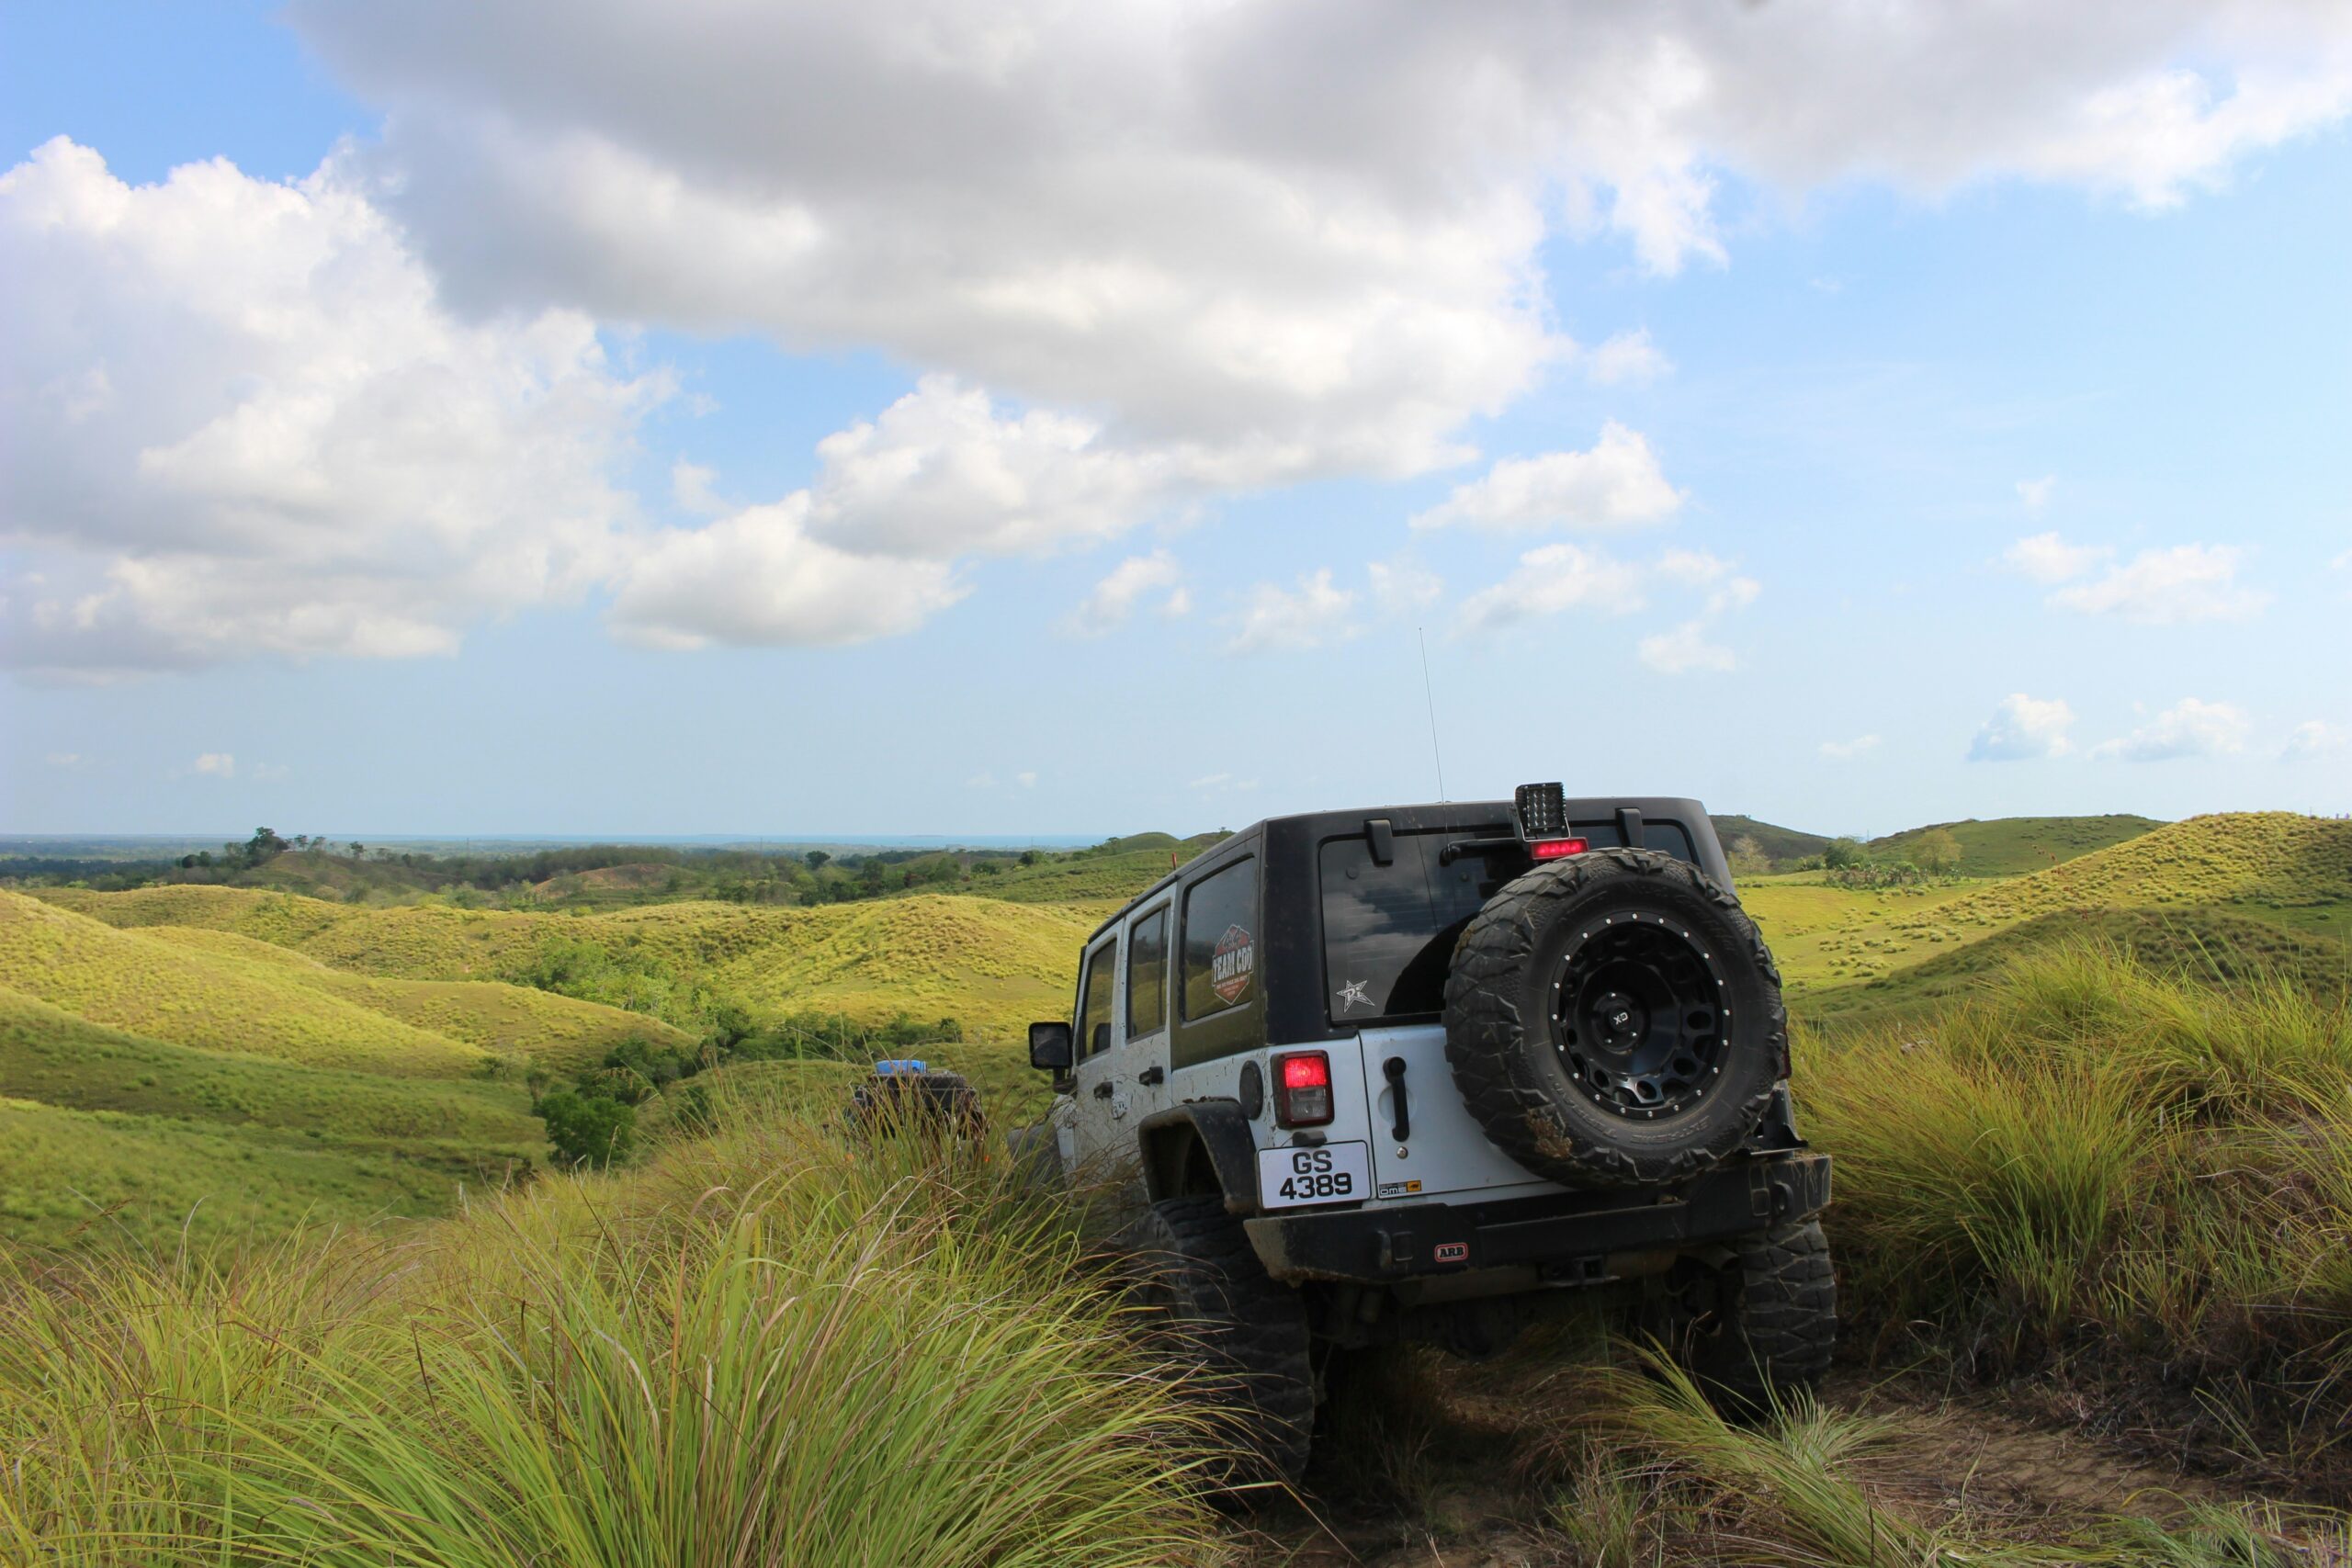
x: 1328, y: 1173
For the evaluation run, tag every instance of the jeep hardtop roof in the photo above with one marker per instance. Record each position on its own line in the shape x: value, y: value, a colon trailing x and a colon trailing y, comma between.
x: 1291, y: 915
x: 1598, y: 819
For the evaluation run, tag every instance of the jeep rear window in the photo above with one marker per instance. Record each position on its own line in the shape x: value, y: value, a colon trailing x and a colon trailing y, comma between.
x: 1666, y: 838
x: 1388, y: 930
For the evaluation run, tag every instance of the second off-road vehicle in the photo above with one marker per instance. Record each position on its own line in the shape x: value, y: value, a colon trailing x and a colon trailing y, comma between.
x: 1414, y: 1073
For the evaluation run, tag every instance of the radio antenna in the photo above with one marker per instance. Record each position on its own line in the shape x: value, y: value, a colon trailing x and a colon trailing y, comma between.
x: 1429, y: 692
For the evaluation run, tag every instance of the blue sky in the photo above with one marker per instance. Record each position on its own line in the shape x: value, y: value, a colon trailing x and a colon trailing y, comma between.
x: 447, y: 459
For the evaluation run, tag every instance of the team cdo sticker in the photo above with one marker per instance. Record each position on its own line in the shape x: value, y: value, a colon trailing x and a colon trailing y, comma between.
x: 1232, y: 964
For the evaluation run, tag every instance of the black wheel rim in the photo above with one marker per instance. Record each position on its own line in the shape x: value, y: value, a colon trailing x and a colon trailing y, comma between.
x: 1640, y: 1017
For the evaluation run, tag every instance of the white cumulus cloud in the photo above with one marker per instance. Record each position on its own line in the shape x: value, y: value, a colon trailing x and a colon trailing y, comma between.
x: 2314, y: 739
x: 2190, y: 728
x: 217, y: 764
x: 1615, y: 484
x: 1628, y: 356
x: 240, y: 422
x: 2034, y: 494
x: 2169, y: 587
x: 1557, y: 578
x: 1551, y: 579
x: 1685, y: 649
x: 1115, y: 597
x: 1217, y: 216
x: 2049, y: 559
x: 2024, y: 728
x: 1273, y: 619
x: 1208, y: 248
x: 944, y: 469
x: 1847, y: 751
x: 758, y: 579
x: 691, y: 487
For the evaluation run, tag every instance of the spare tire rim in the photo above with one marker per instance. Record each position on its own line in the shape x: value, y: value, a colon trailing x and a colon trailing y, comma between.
x: 1639, y: 1016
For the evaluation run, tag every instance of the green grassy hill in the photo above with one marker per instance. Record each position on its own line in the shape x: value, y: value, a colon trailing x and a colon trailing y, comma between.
x: 138, y: 982
x: 556, y: 1031
x: 1105, y: 876
x: 53, y: 1056
x: 991, y: 964
x: 2016, y: 846
x: 72, y: 1176
x: 1779, y: 845
x: 2290, y: 874
x: 2288, y: 869
x: 2206, y: 944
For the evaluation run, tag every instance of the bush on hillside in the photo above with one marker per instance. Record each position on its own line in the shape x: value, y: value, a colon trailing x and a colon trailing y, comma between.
x: 594, y: 1130
x: 1936, y: 851
x: 1844, y: 854
x: 1877, y: 873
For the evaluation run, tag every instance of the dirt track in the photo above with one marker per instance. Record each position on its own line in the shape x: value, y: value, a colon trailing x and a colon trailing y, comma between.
x: 1458, y: 1490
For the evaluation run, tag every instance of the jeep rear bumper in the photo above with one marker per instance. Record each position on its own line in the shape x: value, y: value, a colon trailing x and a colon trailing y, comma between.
x: 1566, y: 1237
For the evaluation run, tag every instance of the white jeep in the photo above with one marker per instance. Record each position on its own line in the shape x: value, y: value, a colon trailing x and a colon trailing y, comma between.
x: 1414, y: 1072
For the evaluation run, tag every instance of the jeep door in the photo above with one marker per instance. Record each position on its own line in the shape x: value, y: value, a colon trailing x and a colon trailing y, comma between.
x: 1094, y: 1037
x: 1122, y: 1072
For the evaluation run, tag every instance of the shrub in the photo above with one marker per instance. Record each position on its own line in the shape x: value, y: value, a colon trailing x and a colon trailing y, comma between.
x: 588, y: 1129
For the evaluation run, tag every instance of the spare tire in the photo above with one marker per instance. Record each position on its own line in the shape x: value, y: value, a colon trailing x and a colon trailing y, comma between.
x: 1613, y: 1018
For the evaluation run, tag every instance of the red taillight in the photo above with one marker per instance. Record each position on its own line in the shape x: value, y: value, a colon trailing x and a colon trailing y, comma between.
x: 1304, y: 1099
x: 1552, y: 849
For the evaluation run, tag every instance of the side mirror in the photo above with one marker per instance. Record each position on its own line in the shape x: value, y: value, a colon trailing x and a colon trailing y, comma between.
x: 1051, y: 1046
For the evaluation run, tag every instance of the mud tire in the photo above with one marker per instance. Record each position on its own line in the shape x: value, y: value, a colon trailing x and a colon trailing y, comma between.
x: 1499, y: 1021
x: 1761, y: 1327
x: 1210, y: 1303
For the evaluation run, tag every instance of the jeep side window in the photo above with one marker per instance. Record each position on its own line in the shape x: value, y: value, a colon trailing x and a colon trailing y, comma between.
x: 1148, y: 975
x: 1094, y: 1001
x: 1221, y: 941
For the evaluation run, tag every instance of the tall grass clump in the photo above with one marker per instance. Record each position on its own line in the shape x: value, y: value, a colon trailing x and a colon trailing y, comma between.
x: 2094, y: 1157
x: 771, y: 1346
x: 1651, y: 1474
x: 1646, y: 1473
x: 2258, y: 1043
x: 1955, y: 1183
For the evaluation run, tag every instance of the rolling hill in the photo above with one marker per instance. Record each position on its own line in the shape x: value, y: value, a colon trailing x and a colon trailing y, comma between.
x: 1779, y: 845
x: 557, y: 1031
x: 991, y: 964
x: 2208, y: 943
x: 50, y: 1055
x: 138, y: 981
x: 2016, y: 846
x: 2290, y: 873
x: 67, y: 1175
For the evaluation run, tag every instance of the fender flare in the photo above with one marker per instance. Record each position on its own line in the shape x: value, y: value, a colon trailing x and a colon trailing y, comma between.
x: 1186, y: 1147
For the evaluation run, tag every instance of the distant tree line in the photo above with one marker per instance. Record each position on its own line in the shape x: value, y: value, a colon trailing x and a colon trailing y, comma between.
x: 1848, y: 862
x: 734, y: 875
